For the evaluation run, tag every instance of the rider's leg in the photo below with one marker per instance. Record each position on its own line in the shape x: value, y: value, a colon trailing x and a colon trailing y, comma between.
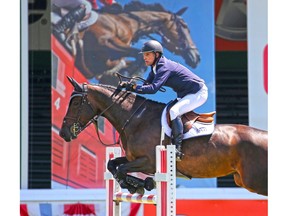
x: 68, y: 21
x: 177, y: 132
x: 184, y: 105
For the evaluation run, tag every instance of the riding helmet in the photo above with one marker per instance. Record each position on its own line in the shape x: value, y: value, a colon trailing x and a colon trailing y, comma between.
x: 152, y: 46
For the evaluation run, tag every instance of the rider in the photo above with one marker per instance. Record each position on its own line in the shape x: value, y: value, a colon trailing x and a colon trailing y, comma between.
x: 191, y: 90
x: 96, y: 4
x: 71, y: 12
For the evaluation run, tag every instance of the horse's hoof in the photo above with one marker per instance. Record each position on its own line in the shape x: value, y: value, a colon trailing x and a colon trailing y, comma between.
x: 135, y: 182
x: 123, y: 184
x: 140, y: 191
x: 149, y: 184
x: 132, y: 190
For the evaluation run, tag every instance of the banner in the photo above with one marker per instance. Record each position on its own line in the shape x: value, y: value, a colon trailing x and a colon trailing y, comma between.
x: 92, y: 45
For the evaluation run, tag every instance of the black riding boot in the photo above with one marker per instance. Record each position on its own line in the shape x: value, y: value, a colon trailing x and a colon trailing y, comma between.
x: 68, y: 21
x: 177, y: 132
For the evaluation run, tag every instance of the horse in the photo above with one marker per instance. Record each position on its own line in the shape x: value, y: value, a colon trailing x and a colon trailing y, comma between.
x: 230, y: 149
x: 107, y: 43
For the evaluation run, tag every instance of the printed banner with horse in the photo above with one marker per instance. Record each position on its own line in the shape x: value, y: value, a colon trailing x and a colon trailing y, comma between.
x: 111, y: 44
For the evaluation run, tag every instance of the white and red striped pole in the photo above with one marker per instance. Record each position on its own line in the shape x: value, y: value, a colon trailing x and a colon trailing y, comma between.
x: 135, y: 198
x: 165, y: 178
x: 112, y: 208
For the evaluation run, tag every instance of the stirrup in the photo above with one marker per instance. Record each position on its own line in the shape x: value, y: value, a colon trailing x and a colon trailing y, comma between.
x: 179, y: 155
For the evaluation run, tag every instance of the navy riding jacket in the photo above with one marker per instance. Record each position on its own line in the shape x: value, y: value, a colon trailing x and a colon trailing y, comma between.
x: 171, y: 74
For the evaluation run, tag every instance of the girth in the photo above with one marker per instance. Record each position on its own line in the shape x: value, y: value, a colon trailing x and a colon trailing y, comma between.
x: 188, y: 119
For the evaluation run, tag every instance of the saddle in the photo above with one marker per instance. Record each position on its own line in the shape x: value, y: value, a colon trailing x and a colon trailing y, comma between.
x: 188, y: 119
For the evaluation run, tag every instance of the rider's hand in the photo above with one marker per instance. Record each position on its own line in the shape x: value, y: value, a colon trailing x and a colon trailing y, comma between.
x: 123, y: 84
x: 130, y: 87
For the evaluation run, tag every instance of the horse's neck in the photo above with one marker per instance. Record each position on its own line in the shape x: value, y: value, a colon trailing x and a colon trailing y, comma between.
x: 146, y: 21
x: 126, y: 112
x: 115, y: 107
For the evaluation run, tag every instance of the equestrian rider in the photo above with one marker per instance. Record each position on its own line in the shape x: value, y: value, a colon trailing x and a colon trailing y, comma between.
x: 191, y: 90
x: 72, y: 12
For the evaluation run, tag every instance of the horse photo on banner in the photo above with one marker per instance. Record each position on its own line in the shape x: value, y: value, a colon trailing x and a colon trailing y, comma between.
x: 91, y: 41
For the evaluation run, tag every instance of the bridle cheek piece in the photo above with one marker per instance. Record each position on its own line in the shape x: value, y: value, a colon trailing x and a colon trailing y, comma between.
x: 77, y: 127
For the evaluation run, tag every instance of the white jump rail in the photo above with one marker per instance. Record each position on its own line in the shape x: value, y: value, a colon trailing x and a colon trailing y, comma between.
x: 165, y: 177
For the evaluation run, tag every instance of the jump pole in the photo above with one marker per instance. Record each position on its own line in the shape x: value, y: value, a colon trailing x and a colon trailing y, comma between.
x: 112, y: 208
x: 165, y: 177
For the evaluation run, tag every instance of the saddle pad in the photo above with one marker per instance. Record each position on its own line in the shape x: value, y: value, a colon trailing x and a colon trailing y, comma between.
x: 198, y: 129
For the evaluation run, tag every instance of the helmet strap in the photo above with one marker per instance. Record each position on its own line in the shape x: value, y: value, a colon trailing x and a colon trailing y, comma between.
x: 156, y: 59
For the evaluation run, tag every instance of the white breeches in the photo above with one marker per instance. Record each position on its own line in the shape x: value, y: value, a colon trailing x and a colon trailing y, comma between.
x: 189, y: 103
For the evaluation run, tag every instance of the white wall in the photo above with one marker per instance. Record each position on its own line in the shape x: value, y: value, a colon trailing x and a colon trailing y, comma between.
x: 257, y: 40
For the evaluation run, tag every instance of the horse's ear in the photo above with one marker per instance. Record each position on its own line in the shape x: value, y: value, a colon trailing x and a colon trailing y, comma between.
x: 181, y: 11
x: 76, y: 85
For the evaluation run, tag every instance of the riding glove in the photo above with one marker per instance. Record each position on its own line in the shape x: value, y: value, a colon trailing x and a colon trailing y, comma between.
x: 130, y: 87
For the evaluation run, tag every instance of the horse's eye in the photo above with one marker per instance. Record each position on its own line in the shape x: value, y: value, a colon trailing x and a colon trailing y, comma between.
x: 75, y: 103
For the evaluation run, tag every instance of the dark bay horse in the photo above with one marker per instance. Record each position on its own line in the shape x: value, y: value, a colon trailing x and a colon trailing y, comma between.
x: 107, y: 44
x: 231, y: 149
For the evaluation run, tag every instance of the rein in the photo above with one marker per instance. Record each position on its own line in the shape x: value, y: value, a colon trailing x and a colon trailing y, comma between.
x: 76, y: 128
x: 95, y: 120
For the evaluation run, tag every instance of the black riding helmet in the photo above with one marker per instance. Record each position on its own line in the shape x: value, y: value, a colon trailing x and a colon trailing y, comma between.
x: 152, y: 46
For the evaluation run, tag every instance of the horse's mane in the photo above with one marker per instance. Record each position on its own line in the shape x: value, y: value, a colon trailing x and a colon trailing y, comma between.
x: 129, y: 97
x: 139, y: 6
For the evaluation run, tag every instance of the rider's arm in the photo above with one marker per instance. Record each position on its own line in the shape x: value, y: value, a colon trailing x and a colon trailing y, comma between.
x: 159, y: 80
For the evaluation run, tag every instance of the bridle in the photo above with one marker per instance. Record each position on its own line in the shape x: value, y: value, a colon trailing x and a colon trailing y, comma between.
x: 78, y: 127
x: 182, y: 44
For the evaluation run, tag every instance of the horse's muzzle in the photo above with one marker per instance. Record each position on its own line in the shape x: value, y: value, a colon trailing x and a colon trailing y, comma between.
x: 66, y: 134
x: 192, y: 57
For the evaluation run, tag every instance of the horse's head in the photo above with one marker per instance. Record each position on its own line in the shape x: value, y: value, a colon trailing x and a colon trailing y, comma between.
x: 79, y: 113
x: 177, y: 39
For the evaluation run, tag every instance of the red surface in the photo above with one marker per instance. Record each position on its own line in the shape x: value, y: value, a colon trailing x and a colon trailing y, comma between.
x: 79, y: 209
x: 23, y: 210
x: 216, y: 208
x: 163, y: 184
x: 81, y: 162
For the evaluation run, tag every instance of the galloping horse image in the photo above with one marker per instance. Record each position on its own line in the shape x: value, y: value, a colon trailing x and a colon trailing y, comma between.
x: 230, y: 149
x: 108, y: 44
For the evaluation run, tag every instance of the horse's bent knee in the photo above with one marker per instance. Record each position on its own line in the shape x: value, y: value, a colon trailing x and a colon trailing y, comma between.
x: 122, y: 169
x: 111, y: 166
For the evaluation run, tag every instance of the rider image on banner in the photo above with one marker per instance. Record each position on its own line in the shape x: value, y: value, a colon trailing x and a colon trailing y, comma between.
x: 92, y: 41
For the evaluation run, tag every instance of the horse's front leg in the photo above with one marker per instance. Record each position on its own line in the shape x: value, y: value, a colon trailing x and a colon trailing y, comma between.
x: 121, y: 177
x: 138, y: 165
x: 112, y: 166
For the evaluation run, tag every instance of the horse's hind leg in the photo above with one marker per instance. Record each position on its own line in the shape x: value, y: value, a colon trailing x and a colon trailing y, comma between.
x: 252, y: 184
